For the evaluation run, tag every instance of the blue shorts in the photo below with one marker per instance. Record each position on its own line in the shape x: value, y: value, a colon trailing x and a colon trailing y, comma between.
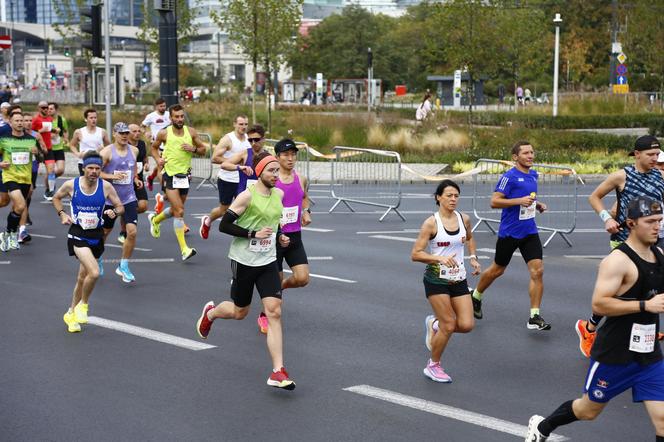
x: 604, y: 381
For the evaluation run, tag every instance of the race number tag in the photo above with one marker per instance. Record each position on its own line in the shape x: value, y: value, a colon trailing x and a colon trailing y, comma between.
x: 289, y: 215
x: 55, y: 139
x: 126, y: 177
x: 47, y: 126
x: 251, y: 183
x: 642, y: 339
x: 20, y: 158
x: 527, y: 212
x: 139, y: 167
x: 88, y: 220
x: 180, y: 182
x: 453, y: 273
x: 258, y: 245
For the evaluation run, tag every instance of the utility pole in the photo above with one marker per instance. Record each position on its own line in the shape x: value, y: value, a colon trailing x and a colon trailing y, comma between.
x: 107, y: 62
x: 168, y: 51
x: 614, y: 40
x: 369, y: 77
x: 557, y: 20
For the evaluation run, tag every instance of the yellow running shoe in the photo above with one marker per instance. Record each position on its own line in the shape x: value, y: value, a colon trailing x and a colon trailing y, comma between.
x: 70, y: 320
x: 155, y: 229
x: 188, y: 253
x: 81, y: 313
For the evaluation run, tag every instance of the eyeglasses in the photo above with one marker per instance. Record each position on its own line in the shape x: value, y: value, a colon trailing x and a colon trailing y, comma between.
x: 43, y: 107
x: 254, y: 140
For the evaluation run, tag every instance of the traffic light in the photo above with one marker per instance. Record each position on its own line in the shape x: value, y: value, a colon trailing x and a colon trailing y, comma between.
x: 93, y: 28
x: 67, y: 52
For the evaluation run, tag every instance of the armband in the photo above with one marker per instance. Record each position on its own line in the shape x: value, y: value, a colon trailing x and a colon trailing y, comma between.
x: 60, y: 211
x: 642, y: 306
x: 605, y: 215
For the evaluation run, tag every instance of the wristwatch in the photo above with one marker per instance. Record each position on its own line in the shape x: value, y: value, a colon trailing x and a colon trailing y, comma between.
x: 308, y: 210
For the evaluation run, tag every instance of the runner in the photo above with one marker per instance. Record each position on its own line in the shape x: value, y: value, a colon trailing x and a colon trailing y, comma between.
x: 253, y: 256
x: 119, y: 168
x: 59, y: 139
x: 17, y: 149
x: 628, y: 290
x: 154, y: 122
x: 88, y: 138
x: 446, y: 234
x: 4, y: 115
x: 5, y: 129
x: 141, y: 166
x: 23, y: 235
x: 516, y: 194
x: 86, y: 237
x: 242, y: 163
x: 43, y: 123
x: 180, y: 143
x: 295, y: 215
x: 640, y: 179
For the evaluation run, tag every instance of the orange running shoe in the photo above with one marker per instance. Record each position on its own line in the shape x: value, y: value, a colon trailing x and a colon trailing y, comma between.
x: 586, y: 338
x: 159, y: 206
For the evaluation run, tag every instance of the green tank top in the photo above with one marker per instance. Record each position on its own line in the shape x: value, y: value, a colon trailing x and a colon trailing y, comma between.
x: 179, y: 161
x: 263, y: 211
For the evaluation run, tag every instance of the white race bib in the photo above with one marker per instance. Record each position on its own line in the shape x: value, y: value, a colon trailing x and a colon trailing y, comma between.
x: 126, y: 177
x: 55, y: 139
x: 47, y: 126
x: 180, y: 183
x: 289, y: 215
x: 527, y: 212
x: 453, y: 273
x: 642, y: 339
x: 251, y: 182
x: 20, y: 158
x: 88, y: 220
x: 263, y: 245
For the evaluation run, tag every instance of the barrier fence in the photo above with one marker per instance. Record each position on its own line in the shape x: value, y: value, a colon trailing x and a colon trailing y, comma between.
x: 556, y: 187
x: 366, y: 176
x: 201, y: 166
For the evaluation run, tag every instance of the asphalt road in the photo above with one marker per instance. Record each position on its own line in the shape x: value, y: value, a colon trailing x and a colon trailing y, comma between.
x: 364, y: 328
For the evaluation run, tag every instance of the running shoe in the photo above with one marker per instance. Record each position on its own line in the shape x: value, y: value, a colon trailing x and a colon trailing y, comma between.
x: 150, y: 183
x: 159, y: 205
x: 155, y: 229
x: 477, y: 308
x: 13, y: 241
x: 126, y: 274
x: 280, y: 379
x: 23, y: 237
x: 586, y: 338
x: 81, y: 313
x: 122, y: 237
x: 70, y: 320
x: 428, y: 330
x: 203, y: 324
x: 435, y: 372
x: 48, y: 196
x: 4, y: 242
x: 534, y: 434
x: 538, y: 323
x: 204, y: 231
x: 101, y: 267
x: 188, y: 253
x: 186, y: 229
x: 262, y: 323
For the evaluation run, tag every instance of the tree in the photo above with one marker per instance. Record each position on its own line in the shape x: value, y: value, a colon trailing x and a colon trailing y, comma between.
x: 644, y: 40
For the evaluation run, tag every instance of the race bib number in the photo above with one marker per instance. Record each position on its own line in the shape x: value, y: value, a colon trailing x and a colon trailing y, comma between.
x: 55, y: 139
x: 453, y: 273
x: 642, y: 339
x: 251, y: 183
x: 258, y: 245
x: 88, y: 220
x: 289, y: 215
x: 180, y: 182
x: 126, y: 177
x: 47, y: 126
x: 20, y: 158
x: 527, y: 212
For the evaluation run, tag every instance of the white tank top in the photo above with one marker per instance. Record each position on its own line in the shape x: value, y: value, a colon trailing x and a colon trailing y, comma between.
x: 444, y: 244
x: 237, y: 146
x: 90, y: 141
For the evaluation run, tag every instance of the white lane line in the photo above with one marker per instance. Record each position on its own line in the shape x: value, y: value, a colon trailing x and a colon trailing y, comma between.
x: 378, y: 232
x: 149, y: 334
x: 202, y: 198
x: 459, y: 414
x: 316, y: 229
x: 43, y: 236
x: 5, y: 262
x: 585, y: 256
x: 320, y: 258
x: 330, y: 278
x: 393, y: 238
x: 135, y: 248
x: 139, y: 260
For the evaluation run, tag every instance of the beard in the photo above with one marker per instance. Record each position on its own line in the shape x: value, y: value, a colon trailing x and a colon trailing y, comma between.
x: 178, y: 126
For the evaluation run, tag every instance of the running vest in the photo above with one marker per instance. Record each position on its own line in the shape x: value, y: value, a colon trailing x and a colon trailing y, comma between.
x: 87, y: 212
x: 292, y: 202
x: 633, y: 338
x: 56, y: 139
x: 179, y: 161
x: 237, y: 146
x: 125, y: 186
x: 650, y: 184
x: 447, y: 243
x: 246, y: 181
x: 90, y: 141
x: 263, y: 211
x: 18, y: 152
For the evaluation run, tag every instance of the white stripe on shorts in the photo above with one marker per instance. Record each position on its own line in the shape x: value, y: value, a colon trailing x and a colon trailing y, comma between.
x: 591, y: 374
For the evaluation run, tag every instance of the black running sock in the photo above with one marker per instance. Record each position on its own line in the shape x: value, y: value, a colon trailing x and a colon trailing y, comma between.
x: 12, y: 221
x: 562, y: 416
x: 595, y: 319
x: 27, y: 202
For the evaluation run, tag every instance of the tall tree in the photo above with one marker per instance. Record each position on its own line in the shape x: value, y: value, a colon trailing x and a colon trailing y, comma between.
x: 644, y: 41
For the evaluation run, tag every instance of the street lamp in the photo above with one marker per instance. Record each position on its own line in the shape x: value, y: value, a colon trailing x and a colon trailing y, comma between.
x: 557, y: 20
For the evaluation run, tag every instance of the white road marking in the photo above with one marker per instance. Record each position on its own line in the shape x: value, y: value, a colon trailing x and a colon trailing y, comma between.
x: 135, y: 248
x: 320, y: 258
x: 585, y: 256
x: 317, y: 229
x: 377, y: 232
x: 5, y: 262
x: 202, y: 198
x: 331, y: 278
x: 43, y: 236
x: 149, y: 334
x: 140, y: 260
x: 459, y: 414
x: 393, y: 238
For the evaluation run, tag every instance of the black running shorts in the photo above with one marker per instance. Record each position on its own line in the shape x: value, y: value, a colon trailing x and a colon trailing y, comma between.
x: 452, y: 290
x: 529, y: 246
x: 24, y: 188
x: 97, y: 250
x: 294, y: 254
x: 168, y: 183
x: 141, y: 194
x: 265, y: 278
x: 227, y: 191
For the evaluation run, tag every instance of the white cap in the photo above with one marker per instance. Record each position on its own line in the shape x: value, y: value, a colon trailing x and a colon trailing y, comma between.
x: 5, y: 104
x: 660, y: 158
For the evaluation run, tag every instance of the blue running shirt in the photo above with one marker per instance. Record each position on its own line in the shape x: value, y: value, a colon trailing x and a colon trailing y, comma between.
x: 515, y: 221
x: 650, y: 184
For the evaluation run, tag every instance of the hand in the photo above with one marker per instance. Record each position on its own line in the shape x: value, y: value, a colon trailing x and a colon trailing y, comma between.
x: 4, y: 164
x: 284, y: 241
x: 265, y: 232
x: 612, y: 226
x: 110, y: 213
x: 247, y: 170
x: 475, y: 264
x: 306, y: 218
x: 138, y: 183
x: 448, y: 261
x: 188, y: 147
x: 526, y: 201
x: 161, y: 162
x: 655, y: 304
x: 119, y: 176
x: 65, y: 218
x: 541, y: 207
x: 146, y: 166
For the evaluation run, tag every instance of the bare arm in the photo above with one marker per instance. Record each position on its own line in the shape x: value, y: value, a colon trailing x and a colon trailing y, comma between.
x: 614, y: 181
x: 105, y: 138
x: 306, y: 216
x: 154, y: 148
x: 111, y: 194
x: 106, y: 157
x: 73, y: 145
x: 237, y: 159
x: 498, y: 201
x: 199, y: 146
x: 65, y: 190
x: 220, y: 149
x: 472, y: 247
x: 419, y: 253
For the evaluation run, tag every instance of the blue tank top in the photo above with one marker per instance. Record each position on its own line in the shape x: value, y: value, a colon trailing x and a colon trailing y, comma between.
x: 87, y: 213
x: 650, y: 184
x: 242, y: 185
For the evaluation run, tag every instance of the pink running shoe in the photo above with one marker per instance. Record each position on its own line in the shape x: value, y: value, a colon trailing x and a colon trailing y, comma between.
x: 262, y: 323
x: 204, y: 324
x: 436, y: 373
x: 281, y: 379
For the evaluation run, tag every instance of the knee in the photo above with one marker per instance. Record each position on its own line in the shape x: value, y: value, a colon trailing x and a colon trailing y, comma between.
x: 587, y: 414
x: 142, y: 206
x: 301, y: 280
x: 536, y: 273
x: 447, y: 327
x: 496, y: 271
x: 273, y: 312
x: 240, y: 313
x: 465, y: 326
x: 131, y: 231
x: 19, y: 208
x: 93, y: 274
x: 177, y: 212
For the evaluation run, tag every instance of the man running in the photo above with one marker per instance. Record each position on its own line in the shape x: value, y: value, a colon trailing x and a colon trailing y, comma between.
x: 253, y: 219
x: 180, y: 144
x: 59, y: 139
x: 88, y: 138
x: 154, y: 122
x: 23, y: 235
x: 516, y: 194
x: 119, y: 168
x: 43, y: 123
x: 626, y: 354
x: 86, y: 236
x: 295, y: 215
x: 643, y: 178
x: 5, y: 130
x: 141, y: 166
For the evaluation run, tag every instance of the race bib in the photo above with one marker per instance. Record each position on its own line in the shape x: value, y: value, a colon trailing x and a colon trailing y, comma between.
x: 180, y: 182
x: 527, y: 212
x: 251, y: 183
x: 55, y: 139
x: 88, y: 220
x: 126, y: 177
x: 263, y: 245
x: 47, y: 126
x: 642, y: 339
x: 20, y: 158
x: 453, y: 273
x: 289, y: 215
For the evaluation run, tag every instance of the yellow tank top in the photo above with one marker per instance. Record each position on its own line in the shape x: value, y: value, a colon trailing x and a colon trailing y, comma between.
x: 179, y: 161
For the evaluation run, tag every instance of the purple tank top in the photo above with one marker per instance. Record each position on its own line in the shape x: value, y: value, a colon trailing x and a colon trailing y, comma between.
x: 293, y: 194
x: 242, y: 185
x: 126, y: 164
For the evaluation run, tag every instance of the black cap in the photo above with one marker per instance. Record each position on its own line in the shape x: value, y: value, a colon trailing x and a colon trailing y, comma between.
x: 646, y: 142
x: 643, y: 206
x: 284, y: 145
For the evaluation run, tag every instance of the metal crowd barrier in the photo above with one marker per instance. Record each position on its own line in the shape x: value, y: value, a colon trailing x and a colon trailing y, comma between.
x: 366, y: 176
x: 556, y: 187
x: 201, y: 166
x: 302, y: 166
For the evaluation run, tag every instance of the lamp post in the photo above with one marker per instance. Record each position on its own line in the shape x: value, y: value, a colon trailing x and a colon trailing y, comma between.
x: 557, y: 20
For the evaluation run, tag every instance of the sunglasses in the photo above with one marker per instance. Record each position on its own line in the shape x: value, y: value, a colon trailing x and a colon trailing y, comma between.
x: 254, y: 140
x: 43, y: 107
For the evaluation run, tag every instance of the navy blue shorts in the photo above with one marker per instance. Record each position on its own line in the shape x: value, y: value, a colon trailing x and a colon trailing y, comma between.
x: 130, y: 215
x: 604, y: 381
x: 227, y: 191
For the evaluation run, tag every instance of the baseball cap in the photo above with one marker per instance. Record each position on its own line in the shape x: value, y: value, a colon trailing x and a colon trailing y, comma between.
x: 643, y: 206
x: 121, y: 128
x: 284, y: 145
x: 646, y: 142
x: 5, y: 104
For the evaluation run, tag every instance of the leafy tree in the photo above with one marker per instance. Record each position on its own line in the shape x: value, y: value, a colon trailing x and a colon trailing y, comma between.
x: 644, y: 41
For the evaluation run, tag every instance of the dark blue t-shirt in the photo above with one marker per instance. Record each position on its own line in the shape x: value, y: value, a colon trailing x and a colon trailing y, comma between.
x: 517, y: 221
